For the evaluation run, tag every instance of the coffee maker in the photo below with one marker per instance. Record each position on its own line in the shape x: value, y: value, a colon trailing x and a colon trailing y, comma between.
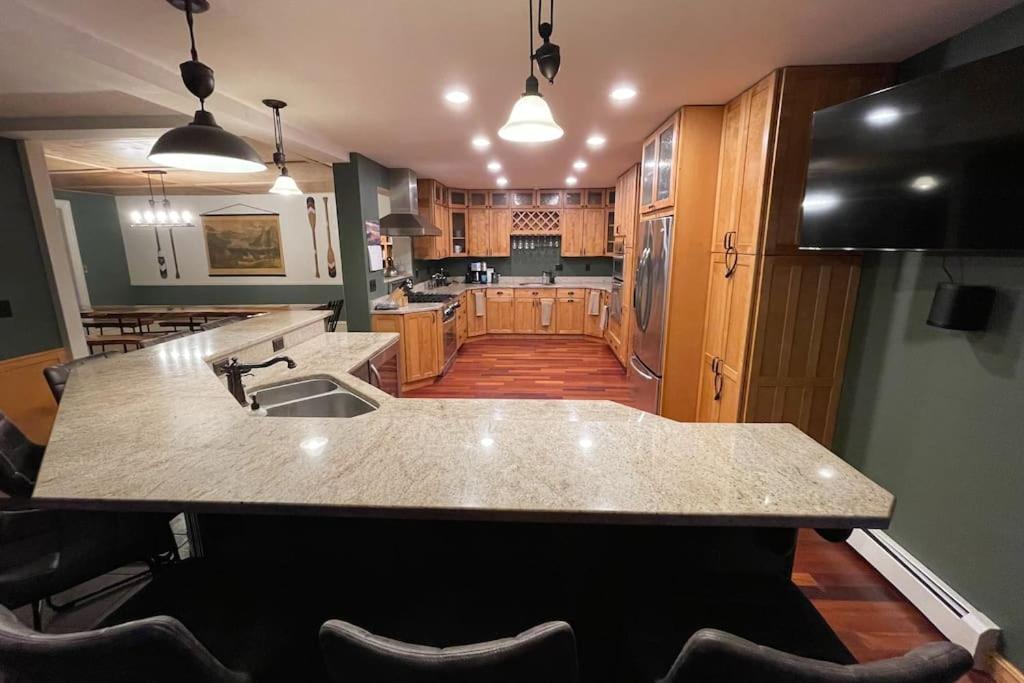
x: 475, y: 273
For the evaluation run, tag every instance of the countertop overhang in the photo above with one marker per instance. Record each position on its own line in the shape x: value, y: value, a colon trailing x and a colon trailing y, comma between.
x: 156, y: 429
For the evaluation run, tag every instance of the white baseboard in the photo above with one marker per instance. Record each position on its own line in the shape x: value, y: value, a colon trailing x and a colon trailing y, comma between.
x: 953, y: 616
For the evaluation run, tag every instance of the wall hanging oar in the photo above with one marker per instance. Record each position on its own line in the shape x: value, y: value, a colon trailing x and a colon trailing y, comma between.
x: 160, y: 259
x: 311, y: 214
x: 332, y: 266
x: 174, y: 255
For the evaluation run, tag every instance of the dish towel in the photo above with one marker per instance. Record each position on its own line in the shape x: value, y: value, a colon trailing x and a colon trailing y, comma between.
x: 594, y: 302
x: 603, y: 322
x: 546, y: 307
x: 479, y: 304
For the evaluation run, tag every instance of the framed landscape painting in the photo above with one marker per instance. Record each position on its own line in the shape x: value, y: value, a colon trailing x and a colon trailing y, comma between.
x: 244, y: 244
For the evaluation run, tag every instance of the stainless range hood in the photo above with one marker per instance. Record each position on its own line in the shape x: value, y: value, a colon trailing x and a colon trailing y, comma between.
x: 404, y: 219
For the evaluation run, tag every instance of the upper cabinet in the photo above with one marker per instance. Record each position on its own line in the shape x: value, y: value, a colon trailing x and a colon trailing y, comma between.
x: 432, y: 205
x: 657, y: 188
x: 549, y: 199
x: 595, y: 198
x: 522, y: 198
x: 626, y: 207
x: 457, y: 199
x: 478, y: 199
x: 573, y: 199
x: 499, y: 199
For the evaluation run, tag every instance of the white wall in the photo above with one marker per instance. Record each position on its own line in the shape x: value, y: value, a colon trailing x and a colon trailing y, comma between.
x: 296, y: 239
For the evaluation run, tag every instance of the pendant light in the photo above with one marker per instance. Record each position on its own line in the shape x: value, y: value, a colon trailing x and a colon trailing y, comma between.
x: 284, y: 184
x: 202, y: 145
x: 531, y: 119
x: 163, y: 216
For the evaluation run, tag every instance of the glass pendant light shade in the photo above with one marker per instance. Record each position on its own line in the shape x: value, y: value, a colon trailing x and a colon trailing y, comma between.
x: 531, y: 119
x: 202, y: 145
x: 285, y: 184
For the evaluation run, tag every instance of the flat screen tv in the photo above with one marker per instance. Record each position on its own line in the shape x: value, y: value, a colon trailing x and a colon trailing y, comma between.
x: 932, y: 164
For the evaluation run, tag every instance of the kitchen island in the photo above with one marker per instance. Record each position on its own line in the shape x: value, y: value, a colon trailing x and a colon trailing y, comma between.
x: 446, y: 521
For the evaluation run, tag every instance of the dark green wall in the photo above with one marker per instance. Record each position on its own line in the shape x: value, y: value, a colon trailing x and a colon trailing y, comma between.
x: 935, y: 416
x: 355, y: 190
x: 98, y: 231
x: 23, y: 279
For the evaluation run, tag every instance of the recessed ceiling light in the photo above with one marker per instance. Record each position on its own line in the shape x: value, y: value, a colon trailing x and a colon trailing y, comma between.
x: 494, y: 166
x: 623, y: 93
x: 596, y: 141
x: 924, y: 183
x: 457, y: 96
x: 502, y: 181
x: 481, y: 142
x: 579, y: 164
x: 571, y: 180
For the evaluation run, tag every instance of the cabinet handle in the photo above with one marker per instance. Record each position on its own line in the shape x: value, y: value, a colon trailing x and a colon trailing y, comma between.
x: 718, y: 380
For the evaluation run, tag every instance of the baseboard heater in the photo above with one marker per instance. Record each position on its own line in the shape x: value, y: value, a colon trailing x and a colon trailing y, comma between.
x: 953, y: 616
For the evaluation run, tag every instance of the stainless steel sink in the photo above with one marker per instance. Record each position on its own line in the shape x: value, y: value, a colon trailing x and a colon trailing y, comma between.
x: 318, y: 397
x: 283, y: 393
x: 339, y: 403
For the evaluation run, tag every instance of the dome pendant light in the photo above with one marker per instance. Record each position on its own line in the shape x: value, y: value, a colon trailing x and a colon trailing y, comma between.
x: 531, y: 119
x: 202, y: 145
x: 284, y: 184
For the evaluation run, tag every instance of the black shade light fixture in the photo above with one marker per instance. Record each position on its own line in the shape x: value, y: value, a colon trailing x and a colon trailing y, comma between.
x: 284, y: 184
x: 202, y: 145
x: 531, y: 119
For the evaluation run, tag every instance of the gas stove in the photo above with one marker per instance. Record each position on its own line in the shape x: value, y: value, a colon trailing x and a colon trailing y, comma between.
x: 424, y: 298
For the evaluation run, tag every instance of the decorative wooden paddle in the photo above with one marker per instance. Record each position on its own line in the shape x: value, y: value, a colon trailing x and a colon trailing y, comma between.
x: 332, y: 266
x: 161, y: 260
x: 174, y: 254
x: 311, y: 214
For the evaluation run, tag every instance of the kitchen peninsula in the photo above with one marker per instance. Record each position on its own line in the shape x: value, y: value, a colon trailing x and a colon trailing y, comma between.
x: 482, y: 459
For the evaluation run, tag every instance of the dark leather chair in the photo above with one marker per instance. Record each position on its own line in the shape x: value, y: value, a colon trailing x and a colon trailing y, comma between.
x: 156, y: 650
x: 712, y: 656
x: 545, y: 654
x: 335, y: 306
x: 45, y: 552
x: 57, y: 375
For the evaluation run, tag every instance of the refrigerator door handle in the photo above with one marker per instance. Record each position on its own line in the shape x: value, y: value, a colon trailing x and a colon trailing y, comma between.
x: 639, y: 370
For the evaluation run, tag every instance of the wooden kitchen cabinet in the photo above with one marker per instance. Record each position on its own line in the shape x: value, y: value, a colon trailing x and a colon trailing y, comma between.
x: 658, y: 167
x: 462, y: 320
x: 572, y: 232
x: 570, y: 314
x: 500, y: 315
x: 476, y: 323
x: 626, y: 208
x: 594, y: 198
x: 478, y: 232
x: 573, y: 199
x: 421, y: 339
x: 457, y: 199
x: 549, y: 199
x: 500, y: 232
x: 594, y: 221
x: 432, y: 207
x: 525, y: 315
x: 592, y: 326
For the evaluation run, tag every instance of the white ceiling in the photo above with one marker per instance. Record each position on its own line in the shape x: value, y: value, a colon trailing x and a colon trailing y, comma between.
x: 368, y: 76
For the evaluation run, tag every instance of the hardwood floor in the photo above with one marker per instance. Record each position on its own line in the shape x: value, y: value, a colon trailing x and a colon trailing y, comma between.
x: 513, y: 366
x: 871, y: 617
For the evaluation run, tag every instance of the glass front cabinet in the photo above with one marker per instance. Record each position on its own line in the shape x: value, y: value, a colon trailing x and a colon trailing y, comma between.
x: 657, y: 182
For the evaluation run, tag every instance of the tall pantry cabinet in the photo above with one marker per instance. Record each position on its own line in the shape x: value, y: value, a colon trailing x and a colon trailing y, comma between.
x: 777, y: 320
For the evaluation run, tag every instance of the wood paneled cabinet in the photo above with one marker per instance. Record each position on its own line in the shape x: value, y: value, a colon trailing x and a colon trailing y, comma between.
x: 570, y: 314
x: 476, y: 322
x: 594, y: 323
x: 777, y: 320
x: 489, y: 232
x: 658, y: 163
x: 433, y: 207
x: 583, y: 232
x: 530, y: 314
x: 500, y: 311
x: 420, y: 337
x: 626, y: 204
x: 462, y: 320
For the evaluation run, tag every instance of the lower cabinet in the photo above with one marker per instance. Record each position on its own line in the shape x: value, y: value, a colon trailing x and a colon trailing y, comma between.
x: 594, y: 324
x: 570, y: 314
x: 476, y: 316
x: 500, y: 312
x: 421, y: 342
x: 462, y: 321
x: 530, y: 317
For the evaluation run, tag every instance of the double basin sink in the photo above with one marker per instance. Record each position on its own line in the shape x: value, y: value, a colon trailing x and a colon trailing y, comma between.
x: 319, y: 397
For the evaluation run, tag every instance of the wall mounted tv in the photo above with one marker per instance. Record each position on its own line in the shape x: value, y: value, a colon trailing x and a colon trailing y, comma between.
x: 932, y: 164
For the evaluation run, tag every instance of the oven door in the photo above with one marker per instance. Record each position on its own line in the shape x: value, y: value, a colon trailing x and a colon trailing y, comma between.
x: 618, y: 264
x: 615, y: 301
x: 451, y: 343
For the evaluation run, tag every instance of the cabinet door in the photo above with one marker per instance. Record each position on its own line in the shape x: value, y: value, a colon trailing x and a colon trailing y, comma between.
x: 549, y: 199
x: 664, y: 188
x: 538, y: 318
x: 478, y: 232
x: 475, y: 324
x: 592, y: 323
x: 419, y: 344
x: 649, y: 166
x: 525, y: 316
x: 443, y: 242
x: 461, y: 322
x: 459, y: 245
x: 573, y: 199
x: 730, y: 169
x: 593, y: 232
x: 522, y: 198
x: 569, y: 316
x: 609, y: 232
x: 457, y: 199
x: 499, y: 198
x: 572, y: 232
x: 500, y: 316
x: 500, y: 233
x: 755, y: 166
x: 595, y: 198
x: 477, y: 199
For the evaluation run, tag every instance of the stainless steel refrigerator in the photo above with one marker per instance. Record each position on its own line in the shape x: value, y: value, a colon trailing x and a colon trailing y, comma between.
x: 650, y: 290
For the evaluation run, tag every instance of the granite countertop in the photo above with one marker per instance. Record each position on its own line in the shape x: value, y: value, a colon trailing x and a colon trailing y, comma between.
x: 156, y: 429
x: 511, y: 282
